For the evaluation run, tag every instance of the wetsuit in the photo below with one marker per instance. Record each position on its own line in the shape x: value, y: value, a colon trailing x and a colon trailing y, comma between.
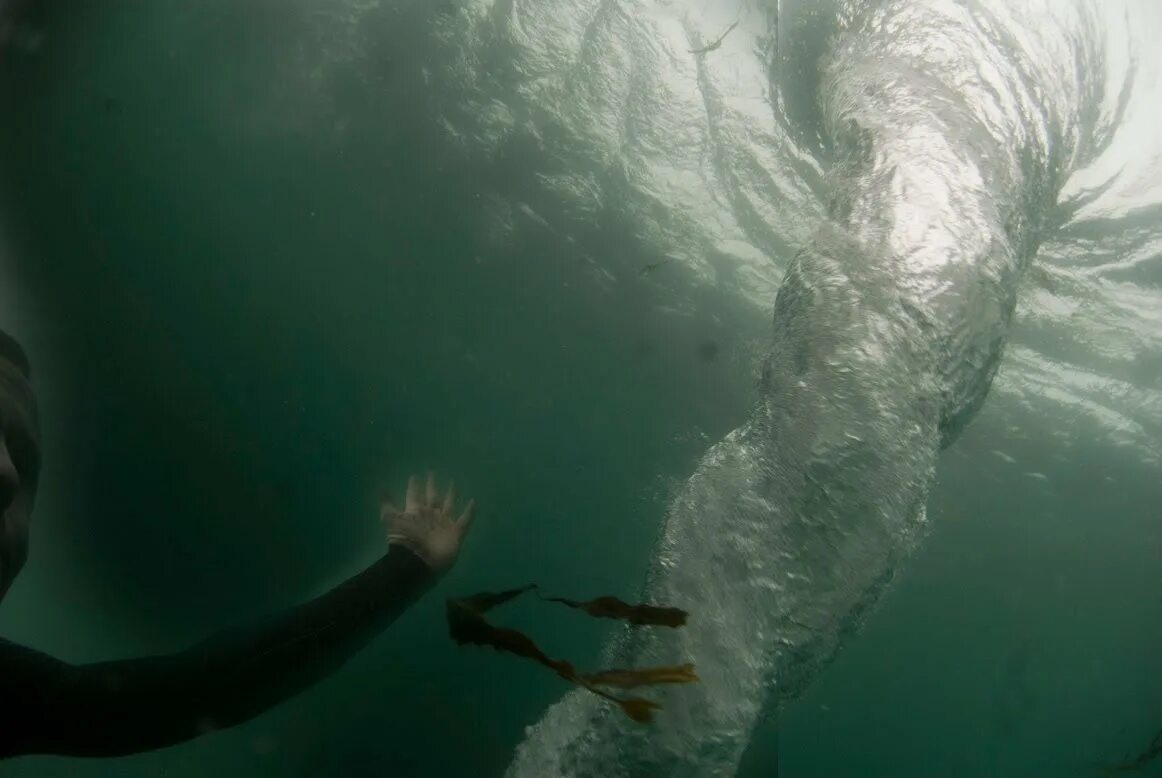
x: 125, y: 707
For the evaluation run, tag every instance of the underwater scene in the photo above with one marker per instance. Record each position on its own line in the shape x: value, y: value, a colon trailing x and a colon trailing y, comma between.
x: 580, y: 388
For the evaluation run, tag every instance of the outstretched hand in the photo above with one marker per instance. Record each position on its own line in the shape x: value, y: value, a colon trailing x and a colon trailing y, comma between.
x: 425, y: 526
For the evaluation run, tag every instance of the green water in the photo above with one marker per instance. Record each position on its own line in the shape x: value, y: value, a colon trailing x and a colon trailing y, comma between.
x: 242, y: 335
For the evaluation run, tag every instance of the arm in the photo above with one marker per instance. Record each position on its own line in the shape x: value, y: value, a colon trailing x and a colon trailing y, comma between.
x: 124, y: 707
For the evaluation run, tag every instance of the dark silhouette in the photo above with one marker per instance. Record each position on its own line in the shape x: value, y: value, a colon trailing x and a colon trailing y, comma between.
x: 124, y: 707
x: 1148, y: 755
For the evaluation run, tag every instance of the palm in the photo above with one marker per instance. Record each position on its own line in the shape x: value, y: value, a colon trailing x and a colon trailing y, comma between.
x: 426, y: 525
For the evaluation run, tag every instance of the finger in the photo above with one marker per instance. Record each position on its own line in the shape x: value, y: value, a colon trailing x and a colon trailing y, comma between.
x: 450, y: 498
x: 413, y: 498
x: 466, y: 517
x: 432, y: 496
x: 387, y: 508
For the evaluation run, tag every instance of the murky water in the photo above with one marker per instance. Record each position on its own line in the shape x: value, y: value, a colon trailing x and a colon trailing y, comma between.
x: 268, y: 257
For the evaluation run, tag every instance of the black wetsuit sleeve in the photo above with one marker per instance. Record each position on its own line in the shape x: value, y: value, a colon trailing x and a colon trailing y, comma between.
x: 129, y: 706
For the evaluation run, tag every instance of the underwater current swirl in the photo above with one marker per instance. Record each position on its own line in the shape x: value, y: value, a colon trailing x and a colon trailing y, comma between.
x: 934, y: 203
x: 909, y: 182
x: 951, y: 129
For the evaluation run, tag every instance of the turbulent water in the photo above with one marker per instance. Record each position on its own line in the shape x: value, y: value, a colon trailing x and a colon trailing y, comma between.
x: 1041, y: 127
x: 942, y: 138
x: 941, y: 202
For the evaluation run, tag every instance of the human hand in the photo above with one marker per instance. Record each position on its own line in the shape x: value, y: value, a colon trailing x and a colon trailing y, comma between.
x: 425, y: 526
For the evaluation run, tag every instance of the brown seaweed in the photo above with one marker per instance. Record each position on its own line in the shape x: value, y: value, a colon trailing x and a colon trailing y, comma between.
x: 613, y: 608
x: 629, y: 679
x: 479, y: 603
x: 467, y: 625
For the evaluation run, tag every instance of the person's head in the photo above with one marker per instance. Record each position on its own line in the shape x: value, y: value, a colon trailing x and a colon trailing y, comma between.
x: 19, y: 458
